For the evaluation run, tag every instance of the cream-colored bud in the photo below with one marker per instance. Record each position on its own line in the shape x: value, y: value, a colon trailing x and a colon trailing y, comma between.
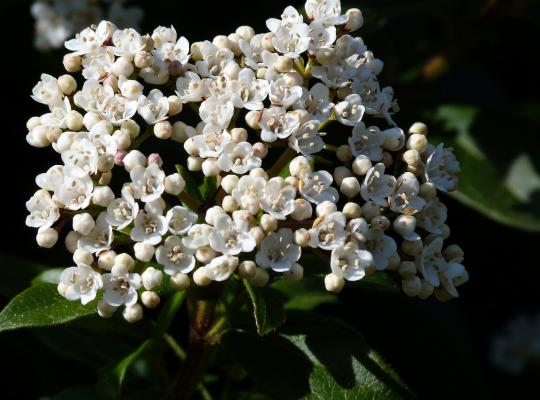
x: 229, y: 204
x: 412, y: 247
x: 370, y: 210
x: 302, y: 210
x: 252, y: 119
x: 355, y: 20
x: 380, y: 222
x: 283, y: 64
x: 46, y: 237
x: 247, y: 269
x: 82, y: 257
x: 268, y: 223
x: 179, y: 281
x: 175, y: 105
x: 105, y: 310
x: 258, y: 234
x: 83, y: 223
x: 74, y: 121
x: 143, y: 251
x: 67, y: 84
x: 325, y: 55
x: 352, y: 210
x: 33, y: 122
x: 180, y: 132
x: 412, y: 157
x: 122, y: 139
x: 196, y: 54
x: 453, y: 253
x: 299, y: 164
x: 205, y: 254
x: 361, y: 165
x: 239, y: 135
x: 163, y: 130
x: 258, y: 173
x: 72, y: 63
x: 222, y: 42
x: 350, y: 187
x: 301, y: 237
x: 428, y: 191
x: 150, y: 299
x: 201, y: 278
x: 210, y: 167
x: 71, y: 241
x: 106, y: 260
x: 246, y: 32
x: 229, y: 183
x: 407, y: 269
x: 343, y: 153
x: 122, y: 67
x: 266, y: 42
x: 194, y: 163
x: 90, y: 119
x: 261, y: 278
x: 295, y: 274
x: 143, y: 59
x: 341, y: 173
x: 325, y: 208
x: 419, y: 128
x: 125, y: 260
x: 133, y: 313
x: 334, y: 283
x: 131, y: 127
x: 411, y: 286
x: 417, y: 142
x: 174, y: 184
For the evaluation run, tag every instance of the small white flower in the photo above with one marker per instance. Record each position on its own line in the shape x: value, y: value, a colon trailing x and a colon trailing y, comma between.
x: 367, y: 141
x: 52, y: 179
x: 130, y: 89
x: 349, y: 262
x: 190, y: 88
x: 307, y: 140
x: 276, y: 123
x: 154, y: 107
x: 100, y: 238
x: 249, y: 92
x: 252, y: 51
x: 452, y: 275
x: 47, y: 91
x: 431, y: 261
x: 377, y: 186
x: 217, y: 111
x: 325, y: 11
x: 122, y: 211
x: 127, y: 42
x: 238, y: 158
x: 121, y: 288
x: 98, y: 66
x: 175, y: 256
x: 197, y: 236
x: 80, y: 282
x: 321, y: 35
x: 442, y: 169
x: 405, y: 198
x: 57, y: 117
x: 75, y: 191
x: 149, y: 228
x: 212, y: 141
x: 350, y: 111
x: 381, y: 246
x: 178, y: 51
x: 148, y: 183
x: 432, y: 217
x: 316, y: 102
x: 163, y: 35
x: 316, y: 187
x: 289, y: 18
x: 249, y: 186
x: 278, y: 251
x: 221, y: 268
x: 283, y: 95
x: 329, y: 231
x: 93, y: 96
x: 89, y: 41
x: 180, y: 220
x: 82, y: 154
x: 293, y: 41
x: 215, y: 60
x: 278, y: 199
x: 43, y: 210
x: 230, y: 236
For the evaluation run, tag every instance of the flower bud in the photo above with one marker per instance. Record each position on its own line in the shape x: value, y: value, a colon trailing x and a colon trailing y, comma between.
x: 195, y: 51
x: 405, y: 225
x: 229, y: 183
x: 412, y: 247
x: 411, y: 286
x: 302, y: 210
x: 90, y: 119
x: 33, y: 122
x: 301, y: 237
x: 229, y: 204
x: 260, y: 149
x: 295, y: 274
x: 38, y: 137
x: 325, y: 55
x: 394, y: 139
x: 105, y: 310
x: 428, y: 191
x: 453, y: 253
x: 210, y: 167
x: 417, y: 142
x: 387, y: 159
x: 46, y: 237
x: 350, y: 187
x: 334, y: 283
x: 418, y: 128
x: 343, y: 153
x: 106, y: 260
x: 352, y: 210
x: 283, y: 64
x: 266, y: 42
x: 257, y: 233
x: 234, y: 42
x: 370, y: 210
x: 83, y: 223
x: 407, y: 269
x: 82, y: 257
x: 380, y: 222
x: 179, y: 281
x: 151, y: 278
x: 361, y: 165
x: 341, y: 173
x: 325, y: 208
x: 163, y: 130
x: 102, y: 196
x: 143, y: 59
x: 180, y: 132
x: 71, y: 241
x: 261, y: 278
x: 205, y: 254
x: 445, y: 231
x: 247, y: 269
x: 122, y: 67
x: 67, y: 84
x: 124, y: 260
x: 74, y: 121
x: 143, y: 251
x: 175, y: 105
x: 133, y: 313
x: 122, y: 139
x: 268, y: 223
x: 190, y: 147
x: 194, y: 163
x: 258, y: 173
x: 252, y: 119
x: 412, y: 157
x: 174, y: 184
x: 133, y: 159
x: 246, y: 32
x: 131, y: 127
x: 239, y: 135
x: 355, y: 20
x: 426, y: 290
x: 393, y: 263
x: 150, y: 299
x: 72, y: 63
x: 299, y: 164
x: 201, y: 278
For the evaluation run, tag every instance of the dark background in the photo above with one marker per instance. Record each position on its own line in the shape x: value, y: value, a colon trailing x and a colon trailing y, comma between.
x: 435, y: 52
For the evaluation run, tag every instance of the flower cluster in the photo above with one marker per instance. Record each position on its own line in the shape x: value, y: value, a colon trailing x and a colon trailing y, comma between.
x: 58, y: 20
x: 270, y: 110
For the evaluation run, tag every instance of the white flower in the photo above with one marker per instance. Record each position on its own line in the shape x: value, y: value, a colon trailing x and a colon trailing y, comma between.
x: 230, y: 236
x: 93, y: 96
x: 100, y: 238
x: 278, y: 251
x: 334, y: 75
x: 405, y: 198
x: 252, y: 51
x: 130, y: 89
x: 278, y: 198
x: 157, y: 74
x: 382, y: 247
x: 148, y: 183
x: 80, y: 282
x: 163, y: 35
x: 122, y: 211
x: 377, y: 186
x: 321, y: 35
x: 249, y: 186
x: 325, y: 11
x: 276, y: 123
x: 217, y: 111
x: 316, y: 187
x: 52, y: 179
x: 283, y: 95
x: 127, y: 42
x: 350, y: 111
x: 307, y: 140
x: 442, y: 169
x: 349, y: 262
x: 328, y: 232
x: 43, y: 210
x: 75, y: 191
x: 153, y: 108
x: 82, y: 154
x: 57, y: 117
x: 98, y: 66
x: 149, y: 228
x: 121, y: 288
x: 212, y: 141
x: 316, y: 102
x: 238, y: 158
x: 358, y: 228
x: 451, y: 275
x: 197, y: 236
x: 190, y: 88
x: 175, y: 256
x: 367, y: 142
x: 89, y: 41
x: 432, y: 217
x: 178, y: 51
x: 289, y: 18
x: 215, y: 60
x: 180, y: 220
x: 293, y: 41
x: 221, y: 268
x: 47, y: 91
x: 249, y: 92
x: 431, y: 261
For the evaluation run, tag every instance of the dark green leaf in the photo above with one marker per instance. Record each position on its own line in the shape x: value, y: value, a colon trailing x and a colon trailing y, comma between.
x: 41, y: 305
x: 325, y: 359
x: 267, y: 308
x: 208, y: 187
x: 192, y: 187
x: 305, y: 294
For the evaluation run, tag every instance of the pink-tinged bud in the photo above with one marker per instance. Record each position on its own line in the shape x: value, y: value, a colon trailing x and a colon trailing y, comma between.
x: 260, y: 149
x: 119, y: 158
x: 155, y: 158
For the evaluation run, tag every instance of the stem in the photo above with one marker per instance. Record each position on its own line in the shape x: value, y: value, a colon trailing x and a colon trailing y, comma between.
x: 325, y: 123
x: 283, y: 160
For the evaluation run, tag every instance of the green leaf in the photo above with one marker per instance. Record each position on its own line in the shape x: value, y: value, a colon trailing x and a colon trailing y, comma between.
x: 192, y: 187
x: 20, y: 275
x: 507, y: 196
x: 41, y: 305
x: 208, y: 187
x: 324, y: 359
x: 378, y: 281
x: 119, y: 371
x: 305, y: 294
x: 267, y: 308
x: 51, y: 276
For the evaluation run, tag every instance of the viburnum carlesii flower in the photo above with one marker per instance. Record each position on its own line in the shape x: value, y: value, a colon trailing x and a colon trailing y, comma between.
x: 217, y: 111
x: 76, y: 189
x: 381, y: 246
x: 221, y: 268
x: 191, y: 88
x: 127, y: 42
x: 276, y: 123
x: 349, y: 262
x: 278, y: 251
x: 93, y: 96
x: 453, y: 275
x: 175, y: 256
x: 432, y: 217
x: 170, y: 51
x: 328, y: 231
x: 238, y: 158
x: 154, y: 107
x: 47, y: 91
x: 367, y: 141
x: 430, y: 261
x: 215, y: 60
x: 405, y: 198
x: 316, y: 102
x: 230, y: 236
x: 80, y: 282
x: 122, y: 211
x: 149, y: 227
x: 350, y: 111
x: 442, y: 169
x: 43, y: 210
x: 148, y: 182
x: 248, y: 91
x: 100, y: 238
x: 180, y: 219
x: 377, y: 186
x: 307, y: 140
x: 120, y: 288
x: 316, y: 187
x: 325, y: 11
x: 278, y: 198
x: 212, y: 141
x: 281, y: 94
x: 197, y: 236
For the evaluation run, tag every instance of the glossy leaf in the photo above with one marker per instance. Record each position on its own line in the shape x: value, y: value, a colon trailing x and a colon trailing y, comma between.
x: 267, y: 308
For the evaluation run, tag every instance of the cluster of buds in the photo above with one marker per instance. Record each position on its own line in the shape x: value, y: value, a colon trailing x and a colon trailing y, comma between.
x: 271, y: 110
